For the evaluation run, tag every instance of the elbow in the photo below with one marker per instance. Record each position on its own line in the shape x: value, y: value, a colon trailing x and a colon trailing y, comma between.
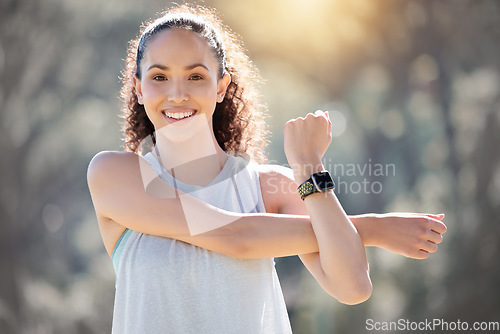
x: 237, y: 245
x: 238, y: 250
x: 355, y: 294
x: 360, y: 295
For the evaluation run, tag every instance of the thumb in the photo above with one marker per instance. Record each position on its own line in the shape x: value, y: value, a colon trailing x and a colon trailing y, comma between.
x: 439, y: 216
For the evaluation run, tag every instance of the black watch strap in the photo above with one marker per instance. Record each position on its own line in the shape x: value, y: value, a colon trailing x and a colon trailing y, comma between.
x: 318, y: 182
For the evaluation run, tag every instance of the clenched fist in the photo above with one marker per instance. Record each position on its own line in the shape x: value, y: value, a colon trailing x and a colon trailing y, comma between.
x: 306, y: 141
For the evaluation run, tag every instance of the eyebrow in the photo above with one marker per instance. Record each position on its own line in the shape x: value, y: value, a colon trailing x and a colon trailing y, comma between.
x: 189, y: 67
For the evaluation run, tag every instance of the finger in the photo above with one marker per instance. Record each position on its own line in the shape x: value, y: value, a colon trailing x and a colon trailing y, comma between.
x: 434, y: 237
x: 321, y: 113
x: 429, y: 247
x: 421, y: 254
x: 438, y: 216
x: 437, y: 226
x: 327, y: 116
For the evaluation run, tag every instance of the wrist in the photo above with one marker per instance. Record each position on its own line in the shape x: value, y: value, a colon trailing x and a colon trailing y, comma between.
x: 366, y: 224
x: 303, y: 171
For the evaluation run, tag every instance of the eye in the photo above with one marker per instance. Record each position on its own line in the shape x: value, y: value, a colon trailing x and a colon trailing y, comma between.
x: 196, y: 77
x: 159, y: 77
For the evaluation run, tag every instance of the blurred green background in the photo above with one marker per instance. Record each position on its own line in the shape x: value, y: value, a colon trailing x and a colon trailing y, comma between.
x: 411, y: 84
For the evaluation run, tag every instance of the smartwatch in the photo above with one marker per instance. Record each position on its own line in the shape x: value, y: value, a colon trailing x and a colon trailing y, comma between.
x: 318, y: 182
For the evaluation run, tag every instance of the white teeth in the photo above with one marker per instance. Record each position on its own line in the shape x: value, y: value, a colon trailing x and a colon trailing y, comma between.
x: 179, y: 115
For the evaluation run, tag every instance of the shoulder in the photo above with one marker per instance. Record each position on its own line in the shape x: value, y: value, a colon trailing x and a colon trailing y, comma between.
x: 108, y: 165
x: 270, y: 170
x: 104, y: 159
x: 272, y: 175
x: 114, y: 174
x: 105, y: 175
x: 278, y: 187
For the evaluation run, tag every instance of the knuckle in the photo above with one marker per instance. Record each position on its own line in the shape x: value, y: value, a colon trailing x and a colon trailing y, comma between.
x: 430, y: 223
x: 419, y: 234
x: 290, y: 123
x: 423, y: 229
x: 312, y: 117
x: 409, y: 251
x: 428, y: 233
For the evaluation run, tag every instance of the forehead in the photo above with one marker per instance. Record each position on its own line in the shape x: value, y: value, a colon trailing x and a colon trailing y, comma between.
x: 180, y: 47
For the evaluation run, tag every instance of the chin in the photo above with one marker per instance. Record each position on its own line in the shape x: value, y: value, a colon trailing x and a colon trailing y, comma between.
x: 177, y: 136
x: 178, y: 132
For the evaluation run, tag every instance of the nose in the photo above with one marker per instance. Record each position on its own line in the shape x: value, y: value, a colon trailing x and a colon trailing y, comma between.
x: 177, y: 92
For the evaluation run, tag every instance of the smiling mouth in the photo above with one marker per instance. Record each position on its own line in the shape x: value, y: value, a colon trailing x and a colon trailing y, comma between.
x: 178, y: 115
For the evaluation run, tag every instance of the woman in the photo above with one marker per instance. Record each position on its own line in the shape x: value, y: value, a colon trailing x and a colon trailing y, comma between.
x: 192, y: 229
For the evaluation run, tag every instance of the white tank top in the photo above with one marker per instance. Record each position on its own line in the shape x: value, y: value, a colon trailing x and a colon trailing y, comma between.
x: 168, y: 286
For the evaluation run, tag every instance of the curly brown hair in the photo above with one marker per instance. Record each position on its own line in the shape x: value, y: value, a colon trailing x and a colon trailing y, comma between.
x: 238, y: 120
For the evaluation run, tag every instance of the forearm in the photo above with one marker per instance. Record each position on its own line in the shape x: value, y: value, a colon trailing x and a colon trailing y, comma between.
x: 261, y: 236
x: 239, y: 235
x: 343, y: 270
x: 277, y: 235
x: 366, y: 226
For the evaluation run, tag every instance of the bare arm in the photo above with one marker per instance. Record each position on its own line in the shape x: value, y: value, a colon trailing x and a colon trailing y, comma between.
x: 119, y: 195
x: 340, y: 266
x: 409, y: 234
x: 413, y: 235
x: 116, y: 185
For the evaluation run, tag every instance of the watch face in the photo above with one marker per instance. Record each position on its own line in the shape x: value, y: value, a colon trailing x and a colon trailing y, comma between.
x: 323, y: 181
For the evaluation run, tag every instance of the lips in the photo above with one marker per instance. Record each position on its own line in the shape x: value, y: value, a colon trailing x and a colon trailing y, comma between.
x: 175, y: 115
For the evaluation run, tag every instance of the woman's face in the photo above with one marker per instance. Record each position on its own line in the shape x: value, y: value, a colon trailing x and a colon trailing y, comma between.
x: 179, y: 87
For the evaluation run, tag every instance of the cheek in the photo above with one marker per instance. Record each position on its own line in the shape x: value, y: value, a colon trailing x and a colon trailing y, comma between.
x: 206, y: 92
x: 152, y: 97
x: 151, y: 91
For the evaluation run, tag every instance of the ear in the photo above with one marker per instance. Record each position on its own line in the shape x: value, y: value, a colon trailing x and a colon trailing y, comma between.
x: 222, y: 85
x: 138, y: 89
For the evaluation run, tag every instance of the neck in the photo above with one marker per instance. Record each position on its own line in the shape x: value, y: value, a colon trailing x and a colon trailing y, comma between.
x: 197, y: 160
